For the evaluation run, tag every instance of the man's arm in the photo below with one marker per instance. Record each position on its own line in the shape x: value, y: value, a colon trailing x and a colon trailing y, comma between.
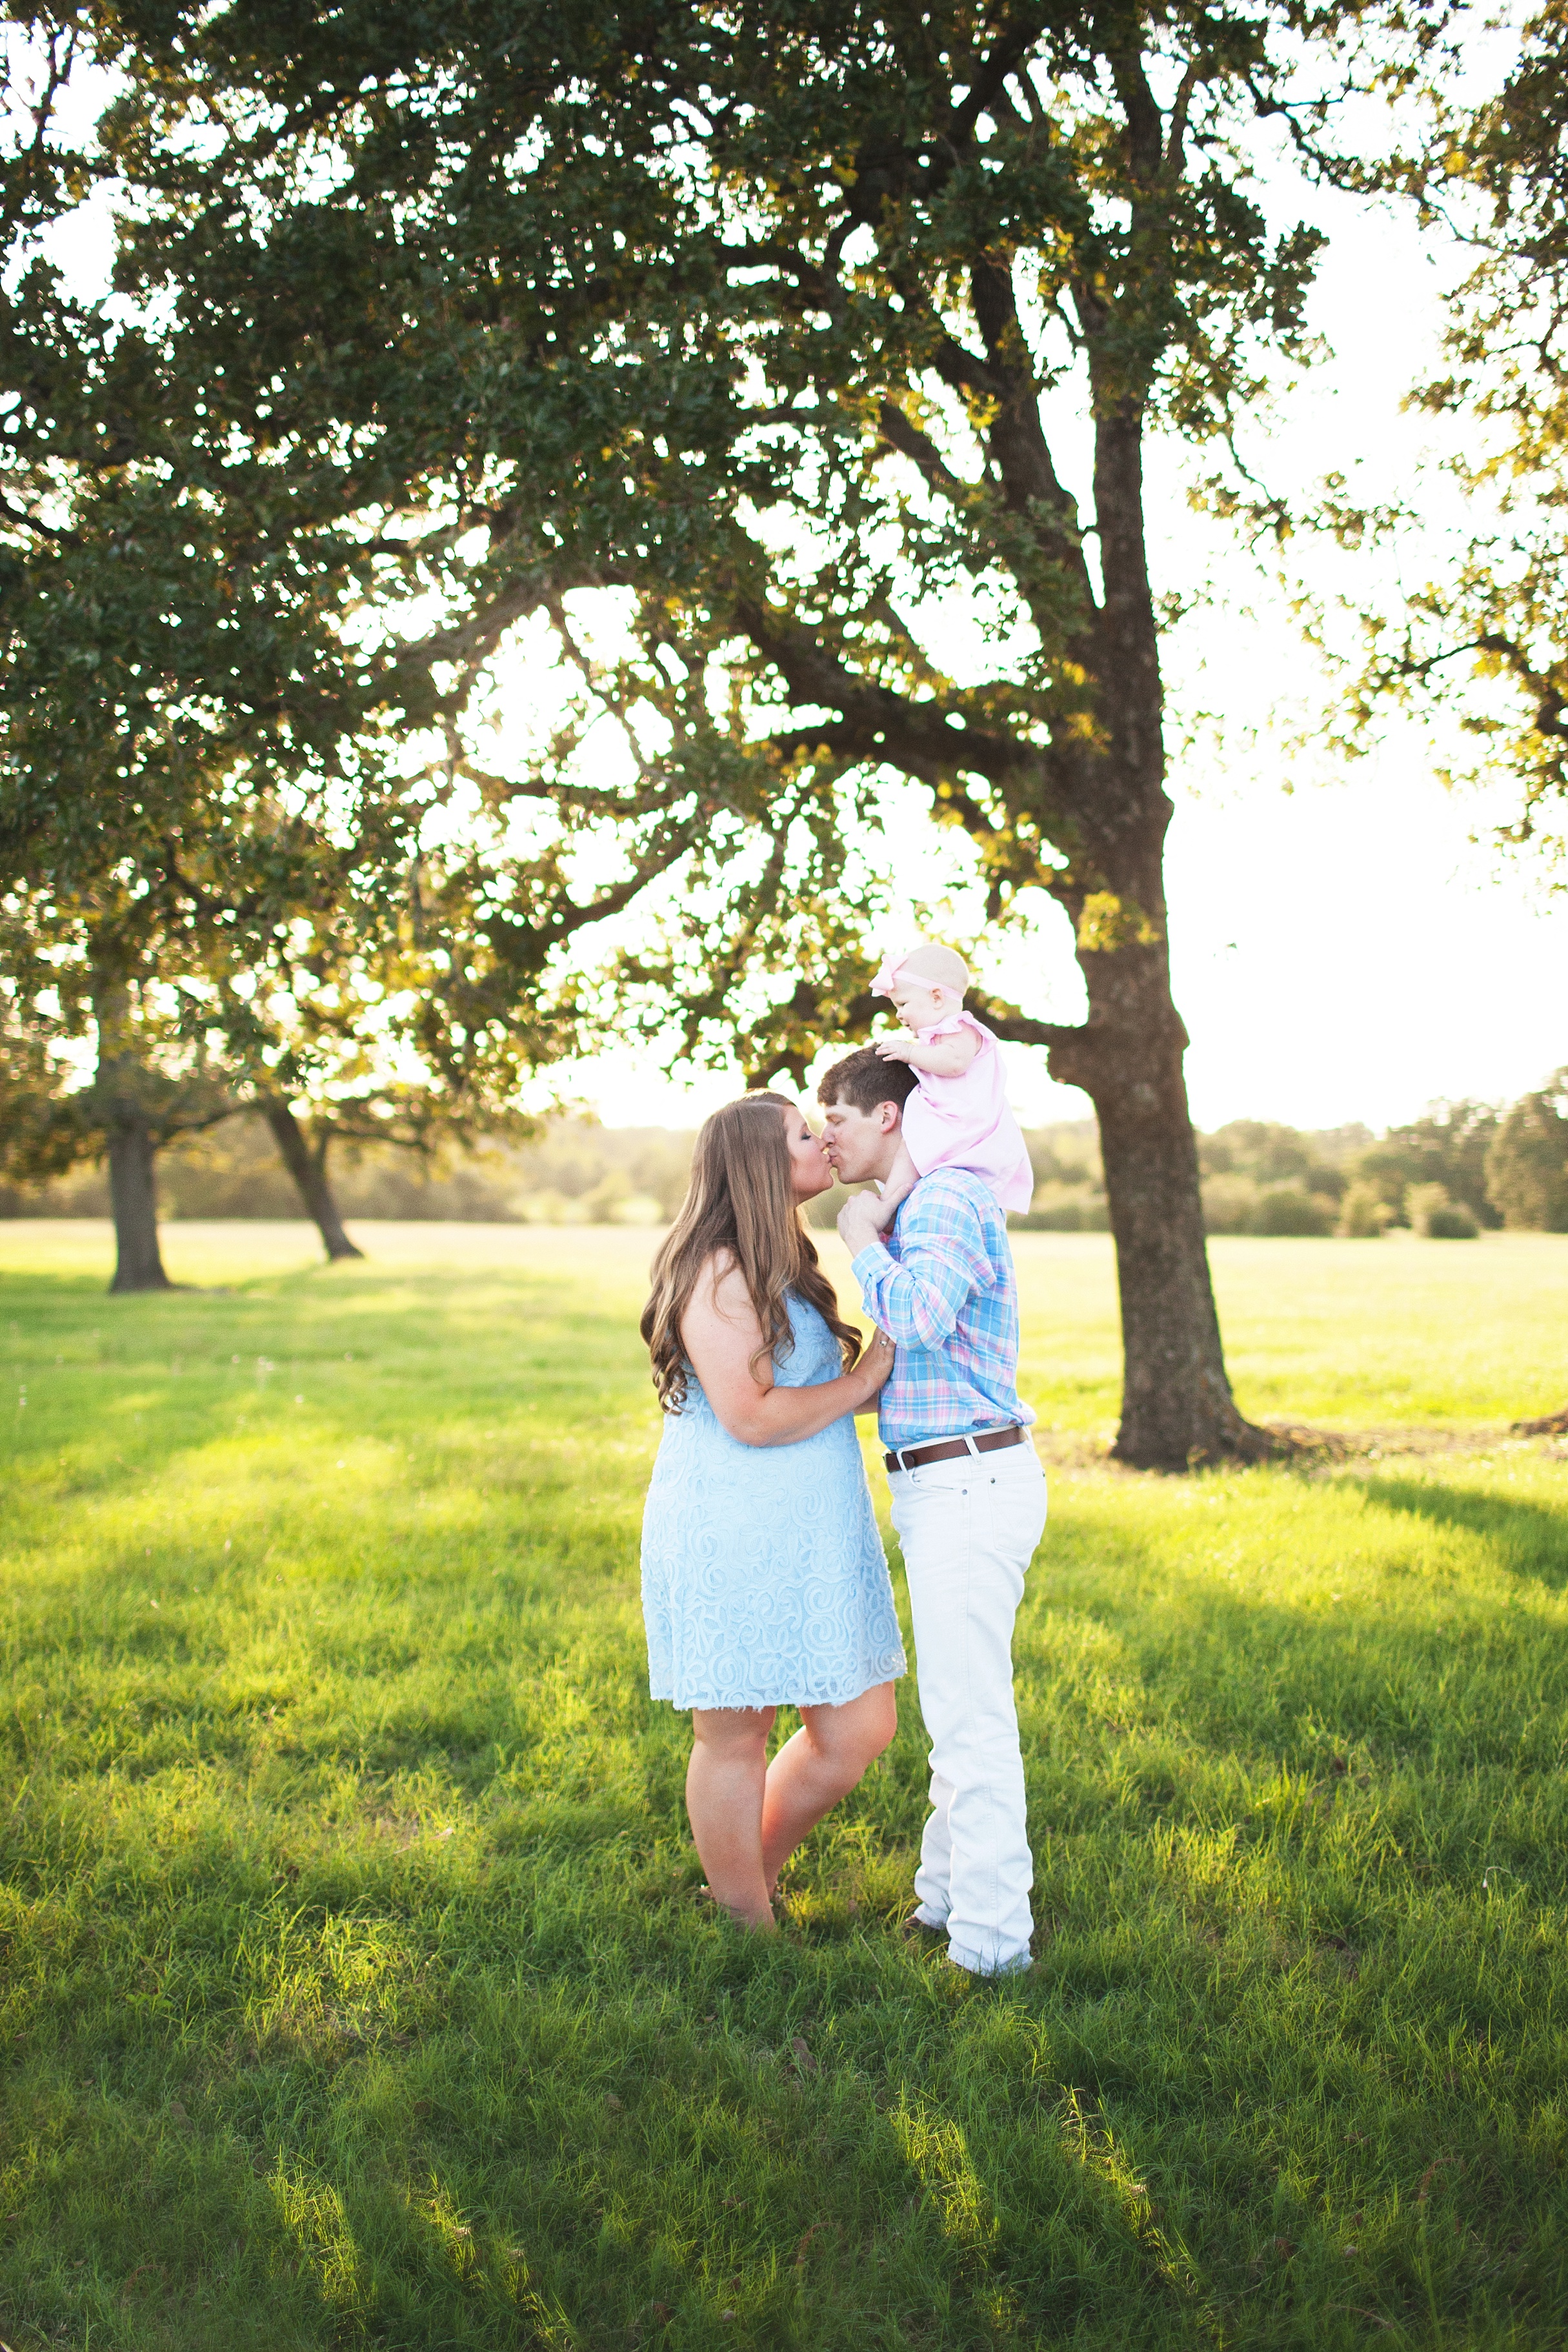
x: 919, y: 1295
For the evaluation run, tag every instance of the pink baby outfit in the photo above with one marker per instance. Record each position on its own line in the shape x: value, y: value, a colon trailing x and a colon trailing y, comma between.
x: 967, y: 1122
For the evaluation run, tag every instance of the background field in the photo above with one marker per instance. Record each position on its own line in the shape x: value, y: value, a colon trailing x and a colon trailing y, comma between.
x: 1443, y: 1335
x: 352, y: 1985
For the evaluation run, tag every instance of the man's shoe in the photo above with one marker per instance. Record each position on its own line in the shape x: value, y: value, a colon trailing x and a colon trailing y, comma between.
x: 919, y: 1935
x: 1023, y: 1972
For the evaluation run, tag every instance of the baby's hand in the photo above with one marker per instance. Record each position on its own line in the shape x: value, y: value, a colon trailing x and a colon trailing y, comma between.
x: 894, y: 1049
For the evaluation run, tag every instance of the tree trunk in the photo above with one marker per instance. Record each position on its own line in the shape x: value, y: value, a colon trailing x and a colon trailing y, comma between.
x: 122, y: 1089
x: 309, y: 1170
x: 1177, y: 1410
x: 1176, y: 1405
x: 134, y: 1190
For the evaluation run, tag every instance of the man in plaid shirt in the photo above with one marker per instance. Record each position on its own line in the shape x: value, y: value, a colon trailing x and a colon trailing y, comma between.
x: 968, y: 1499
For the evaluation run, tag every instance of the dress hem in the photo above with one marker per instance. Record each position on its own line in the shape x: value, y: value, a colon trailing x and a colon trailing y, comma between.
x: 794, y: 1697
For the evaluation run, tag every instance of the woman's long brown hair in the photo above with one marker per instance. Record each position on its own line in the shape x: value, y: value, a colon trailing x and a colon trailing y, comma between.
x: 741, y: 1201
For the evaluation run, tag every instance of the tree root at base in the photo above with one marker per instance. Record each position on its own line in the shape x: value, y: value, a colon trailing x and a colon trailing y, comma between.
x: 1551, y: 1425
x: 1243, y: 1441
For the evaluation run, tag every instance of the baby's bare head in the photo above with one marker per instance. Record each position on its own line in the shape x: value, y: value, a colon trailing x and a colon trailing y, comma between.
x: 936, y: 967
x: 926, y: 985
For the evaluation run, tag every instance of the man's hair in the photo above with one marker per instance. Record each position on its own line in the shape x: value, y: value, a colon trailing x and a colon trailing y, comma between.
x: 862, y: 1079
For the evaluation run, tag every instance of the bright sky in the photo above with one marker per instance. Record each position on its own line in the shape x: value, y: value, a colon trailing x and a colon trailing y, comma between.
x: 1343, y: 949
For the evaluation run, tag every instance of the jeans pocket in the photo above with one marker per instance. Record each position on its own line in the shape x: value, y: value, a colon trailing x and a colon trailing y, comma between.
x: 928, y: 1509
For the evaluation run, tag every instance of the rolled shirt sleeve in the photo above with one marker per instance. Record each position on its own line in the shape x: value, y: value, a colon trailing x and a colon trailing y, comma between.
x: 917, y: 1296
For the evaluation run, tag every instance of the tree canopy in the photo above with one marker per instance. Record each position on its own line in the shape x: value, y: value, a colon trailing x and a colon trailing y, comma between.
x: 776, y: 325
x: 788, y: 371
x: 1483, y: 638
x: 221, y: 849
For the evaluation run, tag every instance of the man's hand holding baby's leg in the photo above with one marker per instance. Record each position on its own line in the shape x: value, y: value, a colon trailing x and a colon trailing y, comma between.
x: 897, y: 1186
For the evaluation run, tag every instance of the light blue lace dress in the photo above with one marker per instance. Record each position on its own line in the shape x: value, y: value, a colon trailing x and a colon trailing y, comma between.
x: 763, y: 1581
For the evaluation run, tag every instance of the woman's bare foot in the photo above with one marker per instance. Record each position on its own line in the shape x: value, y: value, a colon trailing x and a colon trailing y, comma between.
x: 765, y: 1922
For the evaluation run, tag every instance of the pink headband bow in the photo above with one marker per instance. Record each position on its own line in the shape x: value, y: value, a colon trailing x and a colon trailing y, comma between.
x: 891, y: 967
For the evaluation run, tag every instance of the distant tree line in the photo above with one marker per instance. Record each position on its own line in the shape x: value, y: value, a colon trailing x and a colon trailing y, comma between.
x: 1462, y: 1168
x: 573, y: 1172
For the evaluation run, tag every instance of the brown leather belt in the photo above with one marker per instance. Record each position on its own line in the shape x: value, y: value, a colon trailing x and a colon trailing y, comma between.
x: 910, y: 1457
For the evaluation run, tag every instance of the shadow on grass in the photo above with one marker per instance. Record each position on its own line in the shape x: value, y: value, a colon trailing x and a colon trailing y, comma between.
x: 1526, y: 1538
x: 599, y: 2166
x: 415, y: 1994
x: 159, y: 1375
x: 1161, y: 1661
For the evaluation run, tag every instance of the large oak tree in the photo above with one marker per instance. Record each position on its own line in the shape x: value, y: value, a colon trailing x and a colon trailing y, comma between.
x: 786, y: 327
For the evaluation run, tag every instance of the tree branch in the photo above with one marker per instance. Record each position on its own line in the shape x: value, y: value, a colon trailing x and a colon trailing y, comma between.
x: 877, y: 724
x: 901, y: 434
x: 1176, y: 136
x: 1017, y: 439
x: 61, y: 538
x: 1018, y: 1029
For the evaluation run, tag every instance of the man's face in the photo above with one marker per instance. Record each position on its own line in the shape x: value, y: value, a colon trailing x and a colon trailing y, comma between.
x: 861, y: 1144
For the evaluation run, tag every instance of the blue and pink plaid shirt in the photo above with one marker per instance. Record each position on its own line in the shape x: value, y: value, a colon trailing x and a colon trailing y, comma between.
x: 940, y: 1282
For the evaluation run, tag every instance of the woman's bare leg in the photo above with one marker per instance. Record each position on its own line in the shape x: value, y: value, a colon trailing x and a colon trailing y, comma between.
x: 820, y: 1764
x: 724, y: 1789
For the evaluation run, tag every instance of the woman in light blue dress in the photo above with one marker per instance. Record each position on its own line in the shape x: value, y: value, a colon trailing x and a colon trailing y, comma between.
x: 763, y: 1578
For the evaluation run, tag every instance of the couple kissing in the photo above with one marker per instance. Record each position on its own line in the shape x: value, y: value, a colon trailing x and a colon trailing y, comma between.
x: 765, y: 1582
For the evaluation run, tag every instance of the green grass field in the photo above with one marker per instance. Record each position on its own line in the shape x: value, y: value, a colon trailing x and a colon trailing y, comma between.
x: 353, y: 1986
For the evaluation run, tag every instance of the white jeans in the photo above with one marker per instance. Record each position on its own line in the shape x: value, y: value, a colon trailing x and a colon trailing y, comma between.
x: 968, y: 1528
